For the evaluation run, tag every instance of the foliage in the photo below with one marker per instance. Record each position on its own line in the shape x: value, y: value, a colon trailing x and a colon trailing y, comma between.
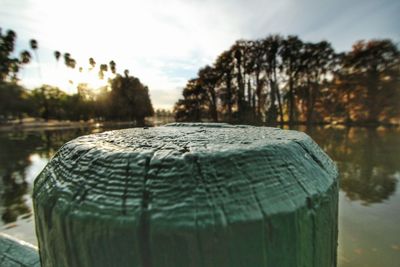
x: 285, y: 80
x: 13, y: 101
x: 49, y: 102
x: 194, y: 105
x: 129, y: 99
x: 123, y: 98
x: 370, y: 77
x: 9, y: 64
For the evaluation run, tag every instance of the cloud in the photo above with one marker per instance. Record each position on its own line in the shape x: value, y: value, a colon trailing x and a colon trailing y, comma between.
x: 164, y: 100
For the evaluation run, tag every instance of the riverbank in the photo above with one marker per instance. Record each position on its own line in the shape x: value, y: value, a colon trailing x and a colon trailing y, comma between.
x: 31, y: 124
x: 59, y: 125
x: 40, y: 125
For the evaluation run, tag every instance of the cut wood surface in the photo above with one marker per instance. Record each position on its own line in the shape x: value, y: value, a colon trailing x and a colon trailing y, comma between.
x: 207, y: 195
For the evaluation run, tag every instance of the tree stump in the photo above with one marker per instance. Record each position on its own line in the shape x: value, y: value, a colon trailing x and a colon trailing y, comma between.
x: 201, y: 195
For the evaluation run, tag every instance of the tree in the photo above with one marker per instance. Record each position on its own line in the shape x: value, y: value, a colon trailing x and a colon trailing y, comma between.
x: 208, y: 79
x: 372, y: 69
x: 49, y: 102
x: 130, y: 99
x: 318, y: 60
x: 83, y: 102
x: 292, y: 66
x: 57, y: 55
x: 34, y: 47
x: 10, y: 65
x: 13, y: 101
x: 25, y: 57
x: 193, y: 105
x: 103, y: 68
x: 304, y: 82
x: 254, y: 66
x: 113, y: 67
x: 34, y: 44
x: 92, y: 63
x: 238, y: 53
x: 224, y: 66
x: 272, y: 45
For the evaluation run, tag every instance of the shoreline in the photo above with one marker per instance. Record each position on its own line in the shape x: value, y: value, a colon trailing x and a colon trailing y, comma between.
x: 38, y: 125
x: 57, y: 125
x: 62, y: 125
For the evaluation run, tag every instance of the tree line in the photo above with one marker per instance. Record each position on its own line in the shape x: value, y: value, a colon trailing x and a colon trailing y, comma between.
x: 289, y: 81
x: 123, y: 97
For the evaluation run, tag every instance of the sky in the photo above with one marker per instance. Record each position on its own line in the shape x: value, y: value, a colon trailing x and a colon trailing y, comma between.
x: 164, y: 43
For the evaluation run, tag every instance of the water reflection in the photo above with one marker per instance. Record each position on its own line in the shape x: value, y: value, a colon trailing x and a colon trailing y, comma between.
x: 367, y: 160
x: 18, y: 151
x: 14, y: 159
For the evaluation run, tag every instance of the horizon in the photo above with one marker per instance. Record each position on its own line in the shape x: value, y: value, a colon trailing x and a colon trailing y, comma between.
x: 179, y: 37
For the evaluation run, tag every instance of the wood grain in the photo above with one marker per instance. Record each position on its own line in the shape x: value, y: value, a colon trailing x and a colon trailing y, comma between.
x: 188, y: 195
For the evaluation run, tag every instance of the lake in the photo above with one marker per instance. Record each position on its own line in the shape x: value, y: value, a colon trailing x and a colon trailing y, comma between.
x: 369, y: 202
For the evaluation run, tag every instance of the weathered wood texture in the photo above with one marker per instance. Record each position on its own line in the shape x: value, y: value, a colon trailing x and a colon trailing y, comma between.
x: 211, y: 195
x: 16, y: 253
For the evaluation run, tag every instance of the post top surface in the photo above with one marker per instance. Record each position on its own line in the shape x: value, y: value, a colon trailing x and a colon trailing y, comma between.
x: 188, y: 137
x: 183, y: 174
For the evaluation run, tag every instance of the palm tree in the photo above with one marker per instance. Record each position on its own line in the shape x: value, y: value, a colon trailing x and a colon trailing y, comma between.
x: 34, y: 47
x: 57, y: 55
x: 113, y: 67
x: 103, y: 68
x: 34, y: 44
x: 25, y: 57
x: 69, y: 61
x: 67, y: 58
x: 92, y: 63
x: 126, y: 72
x: 72, y: 63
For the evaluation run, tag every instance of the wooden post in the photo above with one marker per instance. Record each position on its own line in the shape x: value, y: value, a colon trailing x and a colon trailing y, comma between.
x: 16, y: 253
x: 198, y: 195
